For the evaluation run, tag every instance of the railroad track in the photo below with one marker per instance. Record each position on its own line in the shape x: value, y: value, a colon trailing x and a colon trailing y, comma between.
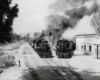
x: 70, y: 73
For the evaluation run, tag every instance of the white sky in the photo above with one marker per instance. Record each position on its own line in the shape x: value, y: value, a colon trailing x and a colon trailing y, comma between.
x: 31, y: 16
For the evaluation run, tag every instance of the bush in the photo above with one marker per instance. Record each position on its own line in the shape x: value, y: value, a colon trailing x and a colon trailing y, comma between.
x: 1, y: 54
x: 6, y: 60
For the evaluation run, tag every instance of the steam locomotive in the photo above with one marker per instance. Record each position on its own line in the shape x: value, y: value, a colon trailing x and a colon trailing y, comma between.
x: 42, y: 48
x: 65, y: 48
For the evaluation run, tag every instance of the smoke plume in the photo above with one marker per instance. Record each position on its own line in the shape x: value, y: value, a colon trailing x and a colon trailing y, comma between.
x: 78, y: 13
x: 62, y: 5
x: 74, y: 16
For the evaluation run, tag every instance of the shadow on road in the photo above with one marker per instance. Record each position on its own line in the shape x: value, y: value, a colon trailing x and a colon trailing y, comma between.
x: 55, y: 73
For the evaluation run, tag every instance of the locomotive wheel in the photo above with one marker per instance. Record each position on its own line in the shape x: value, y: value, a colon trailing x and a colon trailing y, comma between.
x: 59, y: 56
x: 70, y: 55
x: 41, y: 54
x: 62, y: 56
x: 65, y: 56
x: 49, y: 56
x: 46, y: 56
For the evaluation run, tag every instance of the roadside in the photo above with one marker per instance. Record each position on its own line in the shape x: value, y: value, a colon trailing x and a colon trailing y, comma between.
x: 84, y: 62
x: 11, y: 73
x: 14, y: 72
x: 7, y: 55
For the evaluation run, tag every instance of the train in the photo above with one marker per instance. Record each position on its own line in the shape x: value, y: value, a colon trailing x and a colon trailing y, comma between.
x: 41, y: 46
x: 65, y: 48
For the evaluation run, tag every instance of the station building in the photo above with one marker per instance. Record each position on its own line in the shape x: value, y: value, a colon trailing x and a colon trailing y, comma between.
x: 88, y: 44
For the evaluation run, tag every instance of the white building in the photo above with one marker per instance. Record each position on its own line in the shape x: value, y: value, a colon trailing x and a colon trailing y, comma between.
x: 87, y: 44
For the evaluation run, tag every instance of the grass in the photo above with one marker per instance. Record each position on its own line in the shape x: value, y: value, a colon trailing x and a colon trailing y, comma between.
x: 6, y: 59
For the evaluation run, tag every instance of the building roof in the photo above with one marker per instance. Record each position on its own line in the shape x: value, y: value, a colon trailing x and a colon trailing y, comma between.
x: 97, y: 41
x: 87, y: 35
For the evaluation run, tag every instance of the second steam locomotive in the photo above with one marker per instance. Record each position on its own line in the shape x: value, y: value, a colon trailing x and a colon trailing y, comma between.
x: 65, y: 48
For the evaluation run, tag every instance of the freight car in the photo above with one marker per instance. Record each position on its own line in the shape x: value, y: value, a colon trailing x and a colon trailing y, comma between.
x: 42, y: 48
x: 65, y: 48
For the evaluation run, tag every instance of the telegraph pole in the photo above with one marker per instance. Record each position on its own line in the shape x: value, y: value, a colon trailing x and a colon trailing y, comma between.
x: 97, y: 45
x: 97, y: 50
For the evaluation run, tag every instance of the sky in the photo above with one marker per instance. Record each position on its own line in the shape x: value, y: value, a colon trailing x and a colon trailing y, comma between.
x: 32, y: 17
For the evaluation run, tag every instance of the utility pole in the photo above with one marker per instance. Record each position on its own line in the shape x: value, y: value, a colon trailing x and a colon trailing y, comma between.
x: 97, y: 50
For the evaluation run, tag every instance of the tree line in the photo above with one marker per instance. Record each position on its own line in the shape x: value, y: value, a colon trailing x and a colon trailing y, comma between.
x: 7, y: 15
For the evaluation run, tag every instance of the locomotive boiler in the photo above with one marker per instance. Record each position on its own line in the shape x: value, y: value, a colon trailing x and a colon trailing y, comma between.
x: 42, y: 48
x: 65, y: 48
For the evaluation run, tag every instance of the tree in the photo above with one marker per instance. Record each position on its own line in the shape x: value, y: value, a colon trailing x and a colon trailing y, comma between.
x: 7, y: 15
x: 28, y: 36
x: 96, y: 22
x: 16, y: 37
x: 56, y: 25
x: 36, y: 35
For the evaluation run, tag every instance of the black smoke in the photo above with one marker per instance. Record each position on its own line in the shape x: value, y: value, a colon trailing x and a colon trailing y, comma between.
x: 57, y: 23
x: 62, y: 5
x: 78, y: 13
